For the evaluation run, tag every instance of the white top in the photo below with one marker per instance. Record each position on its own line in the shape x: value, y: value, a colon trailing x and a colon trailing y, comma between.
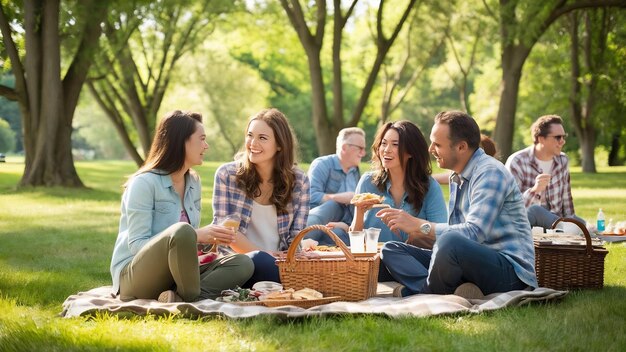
x: 263, y: 227
x: 545, y: 166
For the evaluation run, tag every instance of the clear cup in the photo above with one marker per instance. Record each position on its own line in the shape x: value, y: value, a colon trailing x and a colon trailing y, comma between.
x: 371, y: 240
x: 357, y: 241
x: 231, y: 221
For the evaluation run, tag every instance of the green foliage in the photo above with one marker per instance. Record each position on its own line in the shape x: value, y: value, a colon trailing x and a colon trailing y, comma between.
x: 44, y: 258
x: 7, y: 137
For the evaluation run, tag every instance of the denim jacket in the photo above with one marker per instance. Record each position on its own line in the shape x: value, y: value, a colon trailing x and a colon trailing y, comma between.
x: 150, y: 205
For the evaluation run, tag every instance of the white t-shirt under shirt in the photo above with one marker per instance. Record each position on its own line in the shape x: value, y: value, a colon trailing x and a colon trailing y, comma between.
x: 546, y: 168
x: 263, y: 227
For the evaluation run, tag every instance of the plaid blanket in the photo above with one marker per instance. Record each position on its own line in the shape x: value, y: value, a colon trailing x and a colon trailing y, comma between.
x: 99, y: 300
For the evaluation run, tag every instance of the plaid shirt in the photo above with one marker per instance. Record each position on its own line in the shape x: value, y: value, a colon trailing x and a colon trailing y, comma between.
x: 487, y: 207
x: 558, y: 194
x: 229, y: 199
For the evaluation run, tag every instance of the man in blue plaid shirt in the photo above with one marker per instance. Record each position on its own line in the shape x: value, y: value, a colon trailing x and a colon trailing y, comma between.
x: 486, y: 246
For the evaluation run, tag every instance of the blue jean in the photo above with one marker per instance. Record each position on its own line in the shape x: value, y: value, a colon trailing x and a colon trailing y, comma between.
x: 454, y: 260
x: 265, y: 268
x: 329, y: 211
x: 540, y: 216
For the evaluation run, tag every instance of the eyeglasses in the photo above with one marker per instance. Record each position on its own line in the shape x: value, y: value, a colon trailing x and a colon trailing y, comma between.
x: 361, y: 149
x: 559, y: 137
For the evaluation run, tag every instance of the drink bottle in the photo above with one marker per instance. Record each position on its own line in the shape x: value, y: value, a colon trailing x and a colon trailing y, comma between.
x: 600, y: 221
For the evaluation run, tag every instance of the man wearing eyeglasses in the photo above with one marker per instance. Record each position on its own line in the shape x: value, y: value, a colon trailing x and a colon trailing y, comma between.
x: 542, y: 173
x: 333, y: 181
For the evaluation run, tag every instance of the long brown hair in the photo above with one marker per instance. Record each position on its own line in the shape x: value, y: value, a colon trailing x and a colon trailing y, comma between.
x: 283, y: 175
x: 167, y: 152
x: 416, y: 174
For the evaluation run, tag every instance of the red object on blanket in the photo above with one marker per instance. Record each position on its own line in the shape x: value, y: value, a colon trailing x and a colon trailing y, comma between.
x: 205, y: 258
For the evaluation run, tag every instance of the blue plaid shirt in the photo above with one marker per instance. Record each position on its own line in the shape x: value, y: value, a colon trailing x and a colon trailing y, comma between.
x: 229, y: 199
x: 487, y: 207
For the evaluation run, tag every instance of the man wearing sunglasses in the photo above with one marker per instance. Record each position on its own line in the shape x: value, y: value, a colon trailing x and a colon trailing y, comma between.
x: 542, y: 173
x: 333, y: 181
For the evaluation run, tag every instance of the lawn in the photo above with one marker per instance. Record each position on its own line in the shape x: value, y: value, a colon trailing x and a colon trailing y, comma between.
x: 56, y: 242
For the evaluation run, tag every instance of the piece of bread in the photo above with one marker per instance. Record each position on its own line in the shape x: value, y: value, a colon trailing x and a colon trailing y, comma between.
x: 307, y: 293
x: 278, y: 295
x: 367, y: 197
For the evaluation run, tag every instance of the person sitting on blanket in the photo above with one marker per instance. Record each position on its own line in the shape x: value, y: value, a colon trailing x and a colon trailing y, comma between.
x: 402, y: 176
x: 486, y: 246
x: 155, y: 255
x: 333, y: 181
x: 542, y: 174
x: 267, y: 190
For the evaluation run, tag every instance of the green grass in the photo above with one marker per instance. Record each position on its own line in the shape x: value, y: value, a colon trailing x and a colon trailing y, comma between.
x: 56, y: 242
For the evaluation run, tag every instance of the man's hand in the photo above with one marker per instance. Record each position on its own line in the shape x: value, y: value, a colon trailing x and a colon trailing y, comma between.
x: 541, y: 182
x: 398, y: 220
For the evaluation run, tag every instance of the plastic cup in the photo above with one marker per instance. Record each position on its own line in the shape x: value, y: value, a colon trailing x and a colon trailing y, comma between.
x: 357, y: 241
x: 537, y: 230
x: 371, y: 240
x: 231, y: 221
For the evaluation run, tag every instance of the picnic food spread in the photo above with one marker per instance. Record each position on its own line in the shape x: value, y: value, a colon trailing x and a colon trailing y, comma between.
x: 264, y: 292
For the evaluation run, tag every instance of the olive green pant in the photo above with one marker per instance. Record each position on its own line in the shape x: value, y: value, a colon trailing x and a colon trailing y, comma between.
x: 169, y: 261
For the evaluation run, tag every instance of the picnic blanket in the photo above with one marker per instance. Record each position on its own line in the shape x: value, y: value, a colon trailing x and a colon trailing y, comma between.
x: 99, y: 300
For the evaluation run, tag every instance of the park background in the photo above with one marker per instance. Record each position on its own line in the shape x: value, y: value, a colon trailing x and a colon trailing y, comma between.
x: 84, y: 83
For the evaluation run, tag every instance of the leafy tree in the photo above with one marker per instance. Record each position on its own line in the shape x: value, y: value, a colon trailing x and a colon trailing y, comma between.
x: 46, y: 87
x: 522, y: 23
x: 142, y: 45
x: 309, y: 22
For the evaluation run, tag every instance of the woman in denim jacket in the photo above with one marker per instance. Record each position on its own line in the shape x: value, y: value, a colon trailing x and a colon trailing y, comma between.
x: 402, y: 176
x: 155, y: 255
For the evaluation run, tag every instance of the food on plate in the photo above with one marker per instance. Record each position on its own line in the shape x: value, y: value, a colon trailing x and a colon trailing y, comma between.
x: 282, y: 295
x: 323, y: 248
x: 291, y: 294
x: 367, y: 198
x: 239, y: 294
x: 307, y: 293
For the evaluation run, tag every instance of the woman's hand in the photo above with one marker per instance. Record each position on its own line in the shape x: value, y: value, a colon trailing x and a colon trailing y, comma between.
x: 216, y: 234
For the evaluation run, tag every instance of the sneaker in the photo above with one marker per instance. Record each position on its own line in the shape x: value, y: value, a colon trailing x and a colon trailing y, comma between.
x: 397, y: 291
x: 169, y: 296
x: 469, y: 291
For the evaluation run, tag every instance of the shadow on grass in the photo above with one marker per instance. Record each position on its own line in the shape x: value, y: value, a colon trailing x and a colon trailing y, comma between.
x: 64, y: 192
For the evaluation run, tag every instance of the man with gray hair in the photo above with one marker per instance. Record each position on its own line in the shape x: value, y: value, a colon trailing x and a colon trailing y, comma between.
x: 333, y: 181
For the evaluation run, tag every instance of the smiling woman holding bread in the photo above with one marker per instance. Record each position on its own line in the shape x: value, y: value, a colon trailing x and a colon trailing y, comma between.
x: 401, y: 176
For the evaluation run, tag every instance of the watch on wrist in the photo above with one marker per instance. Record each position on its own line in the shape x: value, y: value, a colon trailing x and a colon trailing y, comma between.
x: 425, y: 228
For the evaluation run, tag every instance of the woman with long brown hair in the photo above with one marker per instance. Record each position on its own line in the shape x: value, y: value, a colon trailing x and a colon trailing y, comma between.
x: 155, y: 255
x: 265, y: 188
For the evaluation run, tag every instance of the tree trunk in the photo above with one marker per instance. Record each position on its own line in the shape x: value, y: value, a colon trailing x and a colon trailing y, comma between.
x: 50, y: 143
x: 46, y: 101
x: 614, y: 159
x: 325, y: 136
x: 513, y: 58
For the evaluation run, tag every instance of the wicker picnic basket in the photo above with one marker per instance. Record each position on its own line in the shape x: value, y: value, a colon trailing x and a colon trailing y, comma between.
x: 354, y: 278
x: 565, y: 267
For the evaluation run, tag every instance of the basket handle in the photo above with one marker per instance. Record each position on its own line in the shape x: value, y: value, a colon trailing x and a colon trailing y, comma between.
x: 296, y: 241
x: 589, y: 248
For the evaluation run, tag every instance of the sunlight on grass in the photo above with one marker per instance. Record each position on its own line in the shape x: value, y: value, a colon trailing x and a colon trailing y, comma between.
x: 55, y: 242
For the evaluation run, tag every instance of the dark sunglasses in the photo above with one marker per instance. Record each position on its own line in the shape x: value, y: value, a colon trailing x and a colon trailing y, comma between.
x: 559, y: 137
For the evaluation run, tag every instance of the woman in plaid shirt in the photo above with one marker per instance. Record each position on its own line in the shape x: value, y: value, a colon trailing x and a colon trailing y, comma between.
x: 269, y: 193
